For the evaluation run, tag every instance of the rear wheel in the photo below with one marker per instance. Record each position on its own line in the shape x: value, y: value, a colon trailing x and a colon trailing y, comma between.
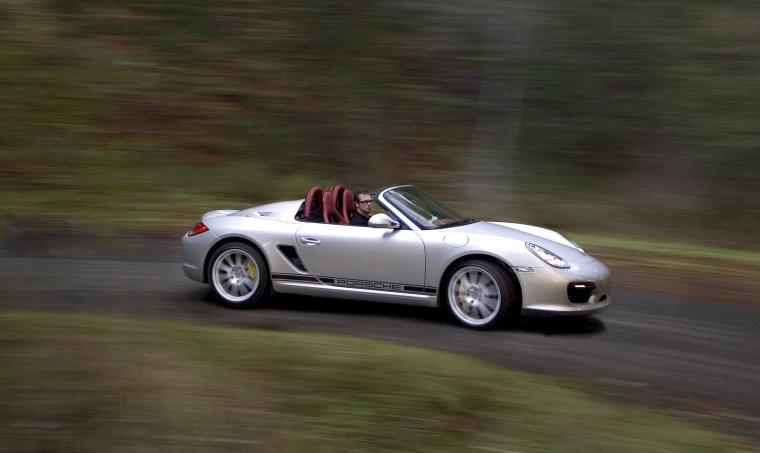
x: 480, y: 294
x: 239, y: 275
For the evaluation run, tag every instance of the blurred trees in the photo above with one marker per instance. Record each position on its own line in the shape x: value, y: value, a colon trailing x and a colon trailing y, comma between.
x: 634, y: 117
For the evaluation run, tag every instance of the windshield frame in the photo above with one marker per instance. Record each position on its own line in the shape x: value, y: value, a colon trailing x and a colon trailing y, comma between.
x: 417, y: 208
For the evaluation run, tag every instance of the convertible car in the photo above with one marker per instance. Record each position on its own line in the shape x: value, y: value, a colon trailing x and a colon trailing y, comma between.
x: 417, y: 251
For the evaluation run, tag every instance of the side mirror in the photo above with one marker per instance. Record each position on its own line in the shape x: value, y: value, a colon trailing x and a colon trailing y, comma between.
x: 383, y: 221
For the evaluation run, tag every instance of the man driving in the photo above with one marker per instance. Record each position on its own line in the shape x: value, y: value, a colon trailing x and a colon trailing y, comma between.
x: 363, y: 203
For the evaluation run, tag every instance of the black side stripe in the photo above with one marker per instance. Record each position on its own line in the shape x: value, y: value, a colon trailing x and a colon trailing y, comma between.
x: 357, y: 284
x: 295, y: 277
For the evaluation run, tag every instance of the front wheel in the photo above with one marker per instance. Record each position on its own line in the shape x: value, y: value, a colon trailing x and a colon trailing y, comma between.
x: 239, y: 275
x: 480, y: 294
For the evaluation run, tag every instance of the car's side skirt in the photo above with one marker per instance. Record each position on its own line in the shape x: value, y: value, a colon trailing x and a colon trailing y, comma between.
x: 343, y: 288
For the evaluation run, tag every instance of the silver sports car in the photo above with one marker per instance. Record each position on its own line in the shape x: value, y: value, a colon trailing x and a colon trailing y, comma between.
x: 417, y: 251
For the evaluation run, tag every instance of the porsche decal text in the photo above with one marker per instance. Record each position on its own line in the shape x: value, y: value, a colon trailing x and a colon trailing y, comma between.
x: 368, y: 285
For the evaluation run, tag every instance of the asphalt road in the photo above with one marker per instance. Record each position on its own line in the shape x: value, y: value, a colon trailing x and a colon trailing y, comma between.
x: 695, y: 359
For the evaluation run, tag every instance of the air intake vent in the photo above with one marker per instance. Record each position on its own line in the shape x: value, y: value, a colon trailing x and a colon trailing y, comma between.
x: 580, y: 292
x: 291, y: 255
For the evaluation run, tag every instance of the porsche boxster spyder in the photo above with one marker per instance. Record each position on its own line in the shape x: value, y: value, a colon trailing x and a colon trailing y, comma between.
x: 416, y: 251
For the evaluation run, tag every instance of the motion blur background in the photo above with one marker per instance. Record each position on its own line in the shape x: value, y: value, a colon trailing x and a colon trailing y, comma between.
x: 630, y: 125
x: 635, y: 119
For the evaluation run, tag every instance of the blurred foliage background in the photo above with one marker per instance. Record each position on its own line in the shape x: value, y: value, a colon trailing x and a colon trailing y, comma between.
x: 610, y: 117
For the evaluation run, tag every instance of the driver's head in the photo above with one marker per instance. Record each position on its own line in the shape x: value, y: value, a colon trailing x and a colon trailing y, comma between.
x: 363, y: 202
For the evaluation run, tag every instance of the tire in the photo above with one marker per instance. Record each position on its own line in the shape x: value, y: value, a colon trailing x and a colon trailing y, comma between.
x: 480, y: 294
x: 239, y: 275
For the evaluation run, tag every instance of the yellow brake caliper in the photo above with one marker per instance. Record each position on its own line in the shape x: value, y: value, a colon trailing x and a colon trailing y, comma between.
x: 462, y: 301
x: 252, y: 270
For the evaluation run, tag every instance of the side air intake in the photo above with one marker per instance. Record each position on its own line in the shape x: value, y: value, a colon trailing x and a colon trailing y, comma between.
x: 289, y: 252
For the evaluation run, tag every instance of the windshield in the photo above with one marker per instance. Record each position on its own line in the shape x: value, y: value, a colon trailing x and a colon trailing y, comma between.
x: 424, y: 211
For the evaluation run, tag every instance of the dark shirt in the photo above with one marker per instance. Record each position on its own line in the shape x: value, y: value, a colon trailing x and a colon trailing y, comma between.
x: 359, y: 219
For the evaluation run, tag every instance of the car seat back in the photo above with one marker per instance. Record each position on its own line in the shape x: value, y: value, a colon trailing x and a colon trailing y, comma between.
x: 331, y: 212
x: 347, y: 205
x: 314, y: 205
x: 329, y: 205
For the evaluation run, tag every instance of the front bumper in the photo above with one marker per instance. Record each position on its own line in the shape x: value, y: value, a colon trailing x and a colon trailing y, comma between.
x: 552, y: 291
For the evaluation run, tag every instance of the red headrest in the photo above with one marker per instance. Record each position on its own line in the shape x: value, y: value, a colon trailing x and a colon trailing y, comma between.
x: 330, y: 209
x: 348, y: 206
x: 314, y: 203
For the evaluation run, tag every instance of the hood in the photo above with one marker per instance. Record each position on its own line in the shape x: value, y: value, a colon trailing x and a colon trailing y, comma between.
x: 551, y: 240
x: 540, y: 232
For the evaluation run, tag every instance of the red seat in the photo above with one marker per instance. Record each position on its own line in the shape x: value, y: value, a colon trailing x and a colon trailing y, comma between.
x: 331, y: 212
x: 337, y: 191
x: 347, y: 206
x: 314, y: 204
x: 331, y: 205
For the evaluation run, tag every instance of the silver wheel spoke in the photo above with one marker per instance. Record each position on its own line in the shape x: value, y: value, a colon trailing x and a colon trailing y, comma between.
x: 231, y: 275
x: 474, y: 295
x: 484, y: 311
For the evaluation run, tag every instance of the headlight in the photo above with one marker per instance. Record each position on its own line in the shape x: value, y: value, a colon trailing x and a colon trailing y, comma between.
x: 547, y: 257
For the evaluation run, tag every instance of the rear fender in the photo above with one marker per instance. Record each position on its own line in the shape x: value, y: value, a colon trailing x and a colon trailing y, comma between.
x: 218, y: 213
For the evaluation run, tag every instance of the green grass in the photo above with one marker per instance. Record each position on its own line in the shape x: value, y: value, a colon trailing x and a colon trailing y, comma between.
x: 685, y: 249
x: 684, y: 255
x: 89, y: 383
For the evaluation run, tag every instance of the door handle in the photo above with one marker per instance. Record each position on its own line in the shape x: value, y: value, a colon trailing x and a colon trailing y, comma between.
x: 309, y: 241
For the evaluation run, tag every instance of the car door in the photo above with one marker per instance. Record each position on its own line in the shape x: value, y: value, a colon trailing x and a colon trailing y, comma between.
x: 368, y: 257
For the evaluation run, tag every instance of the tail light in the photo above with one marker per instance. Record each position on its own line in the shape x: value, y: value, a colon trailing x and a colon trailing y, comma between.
x: 197, y: 229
